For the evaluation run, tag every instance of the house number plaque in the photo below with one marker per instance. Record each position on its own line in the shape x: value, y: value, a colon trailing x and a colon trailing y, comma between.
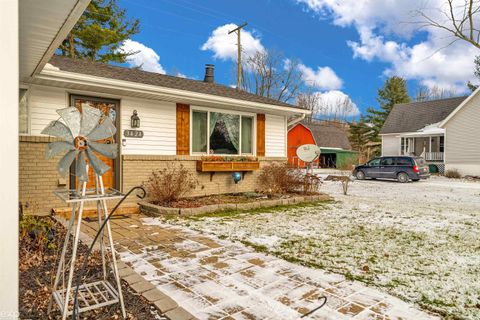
x: 133, y: 133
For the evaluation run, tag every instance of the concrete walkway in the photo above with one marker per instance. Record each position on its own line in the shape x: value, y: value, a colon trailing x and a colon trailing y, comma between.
x: 211, y: 278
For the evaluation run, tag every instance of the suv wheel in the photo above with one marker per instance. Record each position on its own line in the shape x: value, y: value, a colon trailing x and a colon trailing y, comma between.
x: 360, y: 175
x: 402, y: 177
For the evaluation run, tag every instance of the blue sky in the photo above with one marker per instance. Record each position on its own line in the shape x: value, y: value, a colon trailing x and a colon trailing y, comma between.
x: 358, y: 42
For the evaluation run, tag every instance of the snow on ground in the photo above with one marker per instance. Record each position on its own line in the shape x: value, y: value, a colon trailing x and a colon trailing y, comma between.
x: 419, y: 241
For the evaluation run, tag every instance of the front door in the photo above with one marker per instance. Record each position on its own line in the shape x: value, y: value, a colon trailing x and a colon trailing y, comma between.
x: 109, y: 107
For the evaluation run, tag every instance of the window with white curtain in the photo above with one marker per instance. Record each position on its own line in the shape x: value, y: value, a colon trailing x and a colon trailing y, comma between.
x: 221, y: 133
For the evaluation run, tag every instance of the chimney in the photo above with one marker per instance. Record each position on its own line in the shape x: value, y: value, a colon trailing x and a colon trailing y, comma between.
x: 209, y: 73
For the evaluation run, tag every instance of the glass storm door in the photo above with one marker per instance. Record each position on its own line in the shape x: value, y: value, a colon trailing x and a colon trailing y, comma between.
x: 110, y: 109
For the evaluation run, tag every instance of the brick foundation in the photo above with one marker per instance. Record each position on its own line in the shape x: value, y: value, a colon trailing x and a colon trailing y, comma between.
x: 39, y: 177
x: 137, y: 169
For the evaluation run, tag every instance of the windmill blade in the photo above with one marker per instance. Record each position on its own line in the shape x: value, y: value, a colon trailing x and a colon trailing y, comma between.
x: 57, y: 147
x: 90, y: 118
x: 107, y: 150
x: 71, y: 116
x: 98, y: 165
x: 104, y: 130
x: 59, y: 130
x: 65, y: 163
x: 81, y: 167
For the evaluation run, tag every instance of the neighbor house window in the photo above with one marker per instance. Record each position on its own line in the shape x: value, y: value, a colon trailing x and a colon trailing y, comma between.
x: 221, y: 133
x: 23, y: 112
x: 442, y: 144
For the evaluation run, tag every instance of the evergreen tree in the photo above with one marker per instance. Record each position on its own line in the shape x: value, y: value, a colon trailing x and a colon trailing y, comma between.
x: 393, y: 91
x: 476, y: 72
x: 99, y: 33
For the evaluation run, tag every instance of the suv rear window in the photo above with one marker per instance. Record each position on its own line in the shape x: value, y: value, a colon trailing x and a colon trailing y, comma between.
x: 404, y: 162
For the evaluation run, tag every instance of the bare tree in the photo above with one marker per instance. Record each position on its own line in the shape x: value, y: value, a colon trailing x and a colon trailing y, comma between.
x: 337, y: 110
x: 268, y: 73
x: 461, y: 20
x: 424, y: 93
x: 309, y: 101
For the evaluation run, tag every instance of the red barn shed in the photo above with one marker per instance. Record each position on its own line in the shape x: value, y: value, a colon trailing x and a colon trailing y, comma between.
x: 332, y: 140
x: 298, y: 135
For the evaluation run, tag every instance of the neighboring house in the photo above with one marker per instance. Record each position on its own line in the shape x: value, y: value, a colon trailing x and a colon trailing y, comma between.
x: 333, y: 142
x: 181, y: 120
x: 445, y: 132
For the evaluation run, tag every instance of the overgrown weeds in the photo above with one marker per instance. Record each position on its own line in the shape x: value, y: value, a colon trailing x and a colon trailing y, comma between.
x: 453, y: 174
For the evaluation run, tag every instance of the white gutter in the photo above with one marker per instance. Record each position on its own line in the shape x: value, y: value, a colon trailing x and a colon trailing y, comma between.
x: 107, y: 83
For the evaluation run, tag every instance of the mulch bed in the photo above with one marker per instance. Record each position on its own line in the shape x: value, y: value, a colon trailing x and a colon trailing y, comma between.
x: 41, y: 240
x: 195, y: 202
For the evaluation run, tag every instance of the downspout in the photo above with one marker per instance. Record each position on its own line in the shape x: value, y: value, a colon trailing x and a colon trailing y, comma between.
x: 296, y: 120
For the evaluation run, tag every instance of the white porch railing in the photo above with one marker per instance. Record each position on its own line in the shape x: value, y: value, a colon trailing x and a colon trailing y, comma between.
x: 433, y: 156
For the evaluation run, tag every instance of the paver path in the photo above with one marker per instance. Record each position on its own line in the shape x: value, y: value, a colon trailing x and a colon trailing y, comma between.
x: 217, y: 279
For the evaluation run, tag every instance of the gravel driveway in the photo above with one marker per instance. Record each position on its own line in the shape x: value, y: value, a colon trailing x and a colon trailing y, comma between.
x: 419, y: 241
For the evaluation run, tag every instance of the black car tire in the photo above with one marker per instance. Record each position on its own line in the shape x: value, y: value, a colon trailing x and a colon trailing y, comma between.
x: 360, y: 175
x: 402, y: 177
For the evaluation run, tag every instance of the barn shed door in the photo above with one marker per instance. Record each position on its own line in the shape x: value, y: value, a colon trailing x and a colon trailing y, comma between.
x: 110, y: 108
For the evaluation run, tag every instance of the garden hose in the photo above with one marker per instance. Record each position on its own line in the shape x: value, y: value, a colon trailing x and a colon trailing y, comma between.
x: 82, y: 270
x: 313, y: 310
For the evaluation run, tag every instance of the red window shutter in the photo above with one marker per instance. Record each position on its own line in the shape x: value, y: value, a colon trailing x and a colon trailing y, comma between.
x: 183, y: 129
x: 260, y: 135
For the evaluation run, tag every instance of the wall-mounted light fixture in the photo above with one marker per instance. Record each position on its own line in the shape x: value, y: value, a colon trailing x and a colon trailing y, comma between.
x: 135, y: 120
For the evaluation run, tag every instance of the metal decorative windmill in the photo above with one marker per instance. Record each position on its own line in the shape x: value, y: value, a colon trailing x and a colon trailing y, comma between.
x: 80, y: 134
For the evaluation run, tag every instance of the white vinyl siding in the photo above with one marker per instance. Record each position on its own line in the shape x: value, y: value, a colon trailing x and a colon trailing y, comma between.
x: 390, y: 145
x: 462, y: 143
x: 42, y: 104
x: 275, y: 136
x: 158, y: 123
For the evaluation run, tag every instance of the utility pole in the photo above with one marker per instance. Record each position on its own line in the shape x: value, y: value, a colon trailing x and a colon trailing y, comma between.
x: 239, y: 53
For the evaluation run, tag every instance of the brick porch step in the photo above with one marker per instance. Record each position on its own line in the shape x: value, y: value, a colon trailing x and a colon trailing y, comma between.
x: 125, y: 209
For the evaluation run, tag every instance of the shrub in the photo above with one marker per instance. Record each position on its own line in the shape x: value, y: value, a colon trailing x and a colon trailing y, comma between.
x: 453, y: 173
x: 37, y: 232
x: 280, y: 178
x: 170, y: 184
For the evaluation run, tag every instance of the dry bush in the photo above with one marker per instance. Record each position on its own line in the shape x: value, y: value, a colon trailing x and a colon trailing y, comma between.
x: 280, y: 178
x: 170, y: 184
x: 453, y: 173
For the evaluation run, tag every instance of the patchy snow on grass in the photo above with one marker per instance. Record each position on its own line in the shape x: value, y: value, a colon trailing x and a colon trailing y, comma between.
x: 419, y: 241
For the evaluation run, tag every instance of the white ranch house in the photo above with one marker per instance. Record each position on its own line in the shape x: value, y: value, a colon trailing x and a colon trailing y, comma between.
x: 445, y: 132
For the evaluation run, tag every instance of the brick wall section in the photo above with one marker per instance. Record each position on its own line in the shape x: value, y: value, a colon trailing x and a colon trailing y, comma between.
x: 38, y: 177
x: 137, y: 169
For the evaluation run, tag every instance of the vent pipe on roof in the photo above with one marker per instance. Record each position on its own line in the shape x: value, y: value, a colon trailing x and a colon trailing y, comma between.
x: 209, y: 73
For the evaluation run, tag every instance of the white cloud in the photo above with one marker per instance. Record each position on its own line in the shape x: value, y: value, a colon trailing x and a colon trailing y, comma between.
x: 146, y: 58
x: 338, y: 103
x: 224, y: 45
x: 180, y: 75
x: 334, y: 104
x: 323, y: 78
x: 382, y: 24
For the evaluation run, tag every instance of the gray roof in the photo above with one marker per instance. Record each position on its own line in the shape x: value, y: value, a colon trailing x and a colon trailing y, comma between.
x: 410, y: 117
x: 328, y: 135
x: 136, y: 75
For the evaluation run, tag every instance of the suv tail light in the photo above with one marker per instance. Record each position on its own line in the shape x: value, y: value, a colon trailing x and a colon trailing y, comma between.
x: 416, y: 169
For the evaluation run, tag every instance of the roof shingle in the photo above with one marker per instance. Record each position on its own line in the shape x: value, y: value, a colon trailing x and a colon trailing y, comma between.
x: 136, y: 75
x: 328, y: 135
x: 410, y: 117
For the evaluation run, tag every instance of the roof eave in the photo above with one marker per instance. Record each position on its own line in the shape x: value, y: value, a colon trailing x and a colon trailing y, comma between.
x: 457, y: 109
x: 101, y: 82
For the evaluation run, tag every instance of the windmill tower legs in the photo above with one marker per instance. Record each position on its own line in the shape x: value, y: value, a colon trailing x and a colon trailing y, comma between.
x: 95, y: 294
